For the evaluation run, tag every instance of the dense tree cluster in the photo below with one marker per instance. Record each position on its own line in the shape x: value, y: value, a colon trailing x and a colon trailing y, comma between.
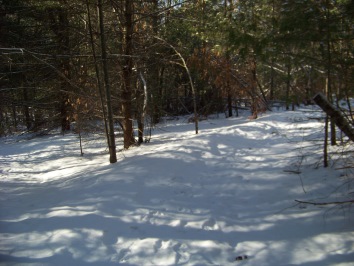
x: 123, y: 61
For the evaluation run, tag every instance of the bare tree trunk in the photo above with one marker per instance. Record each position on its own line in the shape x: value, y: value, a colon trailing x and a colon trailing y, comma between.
x: 229, y: 102
x: 60, y: 27
x: 14, y: 112
x: 98, y: 78
x: 287, y: 96
x: 126, y: 95
x: 155, y: 86
x: 112, y: 145
x: 272, y: 72
x: 325, y: 144
x: 26, y: 112
x: 329, y: 78
x: 333, y: 133
x: 141, y: 120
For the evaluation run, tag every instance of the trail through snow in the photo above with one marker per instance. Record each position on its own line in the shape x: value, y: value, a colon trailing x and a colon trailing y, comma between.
x: 182, y: 199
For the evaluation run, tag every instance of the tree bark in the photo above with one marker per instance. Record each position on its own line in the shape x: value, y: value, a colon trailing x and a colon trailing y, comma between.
x: 126, y: 95
x: 112, y: 145
x: 141, y: 119
x: 154, y: 72
x: 325, y: 143
x: 229, y: 102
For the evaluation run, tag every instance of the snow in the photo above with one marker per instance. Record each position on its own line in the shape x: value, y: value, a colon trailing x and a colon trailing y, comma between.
x: 182, y: 199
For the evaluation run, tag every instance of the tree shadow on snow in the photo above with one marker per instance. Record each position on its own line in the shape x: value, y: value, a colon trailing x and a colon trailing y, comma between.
x: 202, y: 203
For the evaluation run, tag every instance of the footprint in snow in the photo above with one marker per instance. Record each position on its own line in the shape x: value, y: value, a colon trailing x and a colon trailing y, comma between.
x: 157, y: 245
x: 240, y: 258
x: 210, y: 225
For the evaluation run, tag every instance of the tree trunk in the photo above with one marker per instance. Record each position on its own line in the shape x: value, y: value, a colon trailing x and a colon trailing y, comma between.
x: 26, y: 112
x: 14, y: 112
x: 126, y: 95
x: 229, y: 102
x: 337, y: 117
x: 141, y: 115
x: 288, y: 79
x: 61, y: 30
x: 272, y: 72
x: 112, y: 145
x: 64, y: 112
x: 333, y: 133
x: 329, y: 78
x: 325, y: 144
x: 154, y: 72
x: 98, y: 77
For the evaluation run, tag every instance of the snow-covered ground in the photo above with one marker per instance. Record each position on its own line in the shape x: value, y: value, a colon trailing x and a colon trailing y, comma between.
x: 182, y: 199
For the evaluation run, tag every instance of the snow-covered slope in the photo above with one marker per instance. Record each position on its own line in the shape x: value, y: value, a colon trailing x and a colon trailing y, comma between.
x: 182, y: 199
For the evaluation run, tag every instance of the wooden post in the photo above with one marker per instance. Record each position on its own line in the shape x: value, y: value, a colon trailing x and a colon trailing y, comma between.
x: 337, y: 117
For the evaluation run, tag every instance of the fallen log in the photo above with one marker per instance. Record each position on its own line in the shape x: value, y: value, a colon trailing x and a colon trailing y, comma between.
x: 325, y: 203
x: 340, y: 121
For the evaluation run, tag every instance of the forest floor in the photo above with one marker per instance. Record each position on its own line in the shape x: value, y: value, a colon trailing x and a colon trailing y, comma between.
x: 223, y: 197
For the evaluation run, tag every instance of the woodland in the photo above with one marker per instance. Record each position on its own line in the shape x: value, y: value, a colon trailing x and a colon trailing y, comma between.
x: 128, y: 63
x: 230, y: 93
